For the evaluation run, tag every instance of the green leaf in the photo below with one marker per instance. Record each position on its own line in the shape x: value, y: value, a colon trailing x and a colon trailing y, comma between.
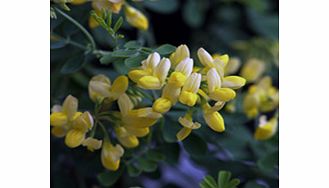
x: 118, y: 24
x: 165, y: 49
x: 146, y: 165
x: 195, y: 145
x: 223, y: 178
x: 108, y: 178
x: 133, y: 44
x: 169, y: 130
x: 204, y: 184
x: 194, y: 12
x: 135, y: 61
x: 269, y: 161
x: 162, y: 6
x: 73, y: 64
x: 171, y: 152
x: 123, y: 53
x: 108, y: 58
x: 155, y: 155
x: 133, y: 171
x: 210, y: 181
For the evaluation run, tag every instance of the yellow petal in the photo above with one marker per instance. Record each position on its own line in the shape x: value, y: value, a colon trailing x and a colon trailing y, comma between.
x: 232, y: 66
x: 222, y: 94
x: 177, y: 79
x: 99, y: 87
x: 161, y: 71
x: 149, y: 82
x: 182, y: 52
x: 84, y: 122
x: 111, y: 155
x: 119, y: 87
x: 59, y: 131
x: 139, y: 132
x: 267, y: 130
x: 183, y: 133
x: 205, y: 58
x: 213, y: 80
x: 215, y: 121
x: 136, y: 18
x: 253, y: 69
x: 192, y: 83
x: 135, y: 75
x: 188, y: 98
x: 74, y: 138
x: 188, y: 123
x: 233, y: 82
x: 162, y: 105
x: 58, y: 119
x: 171, y: 92
x: 70, y: 106
x: 125, y: 104
x: 129, y: 141
x: 92, y: 144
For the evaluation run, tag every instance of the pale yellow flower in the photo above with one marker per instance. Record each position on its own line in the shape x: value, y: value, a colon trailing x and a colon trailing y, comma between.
x: 111, y: 155
x: 188, y: 126
x: 188, y: 95
x: 136, y: 18
x: 153, y: 72
x: 182, y: 52
x: 100, y: 87
x: 92, y: 144
x: 213, y: 119
x: 253, y: 69
x: 266, y: 129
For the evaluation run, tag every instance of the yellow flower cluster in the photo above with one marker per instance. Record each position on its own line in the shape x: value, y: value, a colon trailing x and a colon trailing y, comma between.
x: 74, y: 125
x: 178, y: 81
x: 261, y: 97
x: 183, y: 85
x: 133, y: 16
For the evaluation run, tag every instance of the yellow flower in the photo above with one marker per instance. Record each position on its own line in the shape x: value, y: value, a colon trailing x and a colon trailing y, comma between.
x: 182, y: 71
x: 80, y: 126
x: 136, y: 118
x: 169, y: 97
x: 136, y: 18
x: 253, y: 69
x: 92, y: 144
x: 213, y: 119
x: 125, y: 138
x: 153, y: 72
x: 111, y: 155
x: 219, y: 62
x: 216, y: 92
x: 62, y: 117
x: 188, y: 126
x: 266, y: 129
x: 262, y: 97
x: 188, y: 95
x: 100, y: 87
x: 232, y: 66
x: 182, y: 52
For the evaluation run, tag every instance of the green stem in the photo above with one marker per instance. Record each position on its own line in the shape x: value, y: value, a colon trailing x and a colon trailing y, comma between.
x: 88, y: 35
x: 106, y: 135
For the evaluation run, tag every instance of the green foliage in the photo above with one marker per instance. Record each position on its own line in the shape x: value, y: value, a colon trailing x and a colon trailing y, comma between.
x: 106, y: 22
x: 165, y: 49
x: 162, y: 6
x: 108, y: 178
x: 195, y: 145
x: 224, y: 181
